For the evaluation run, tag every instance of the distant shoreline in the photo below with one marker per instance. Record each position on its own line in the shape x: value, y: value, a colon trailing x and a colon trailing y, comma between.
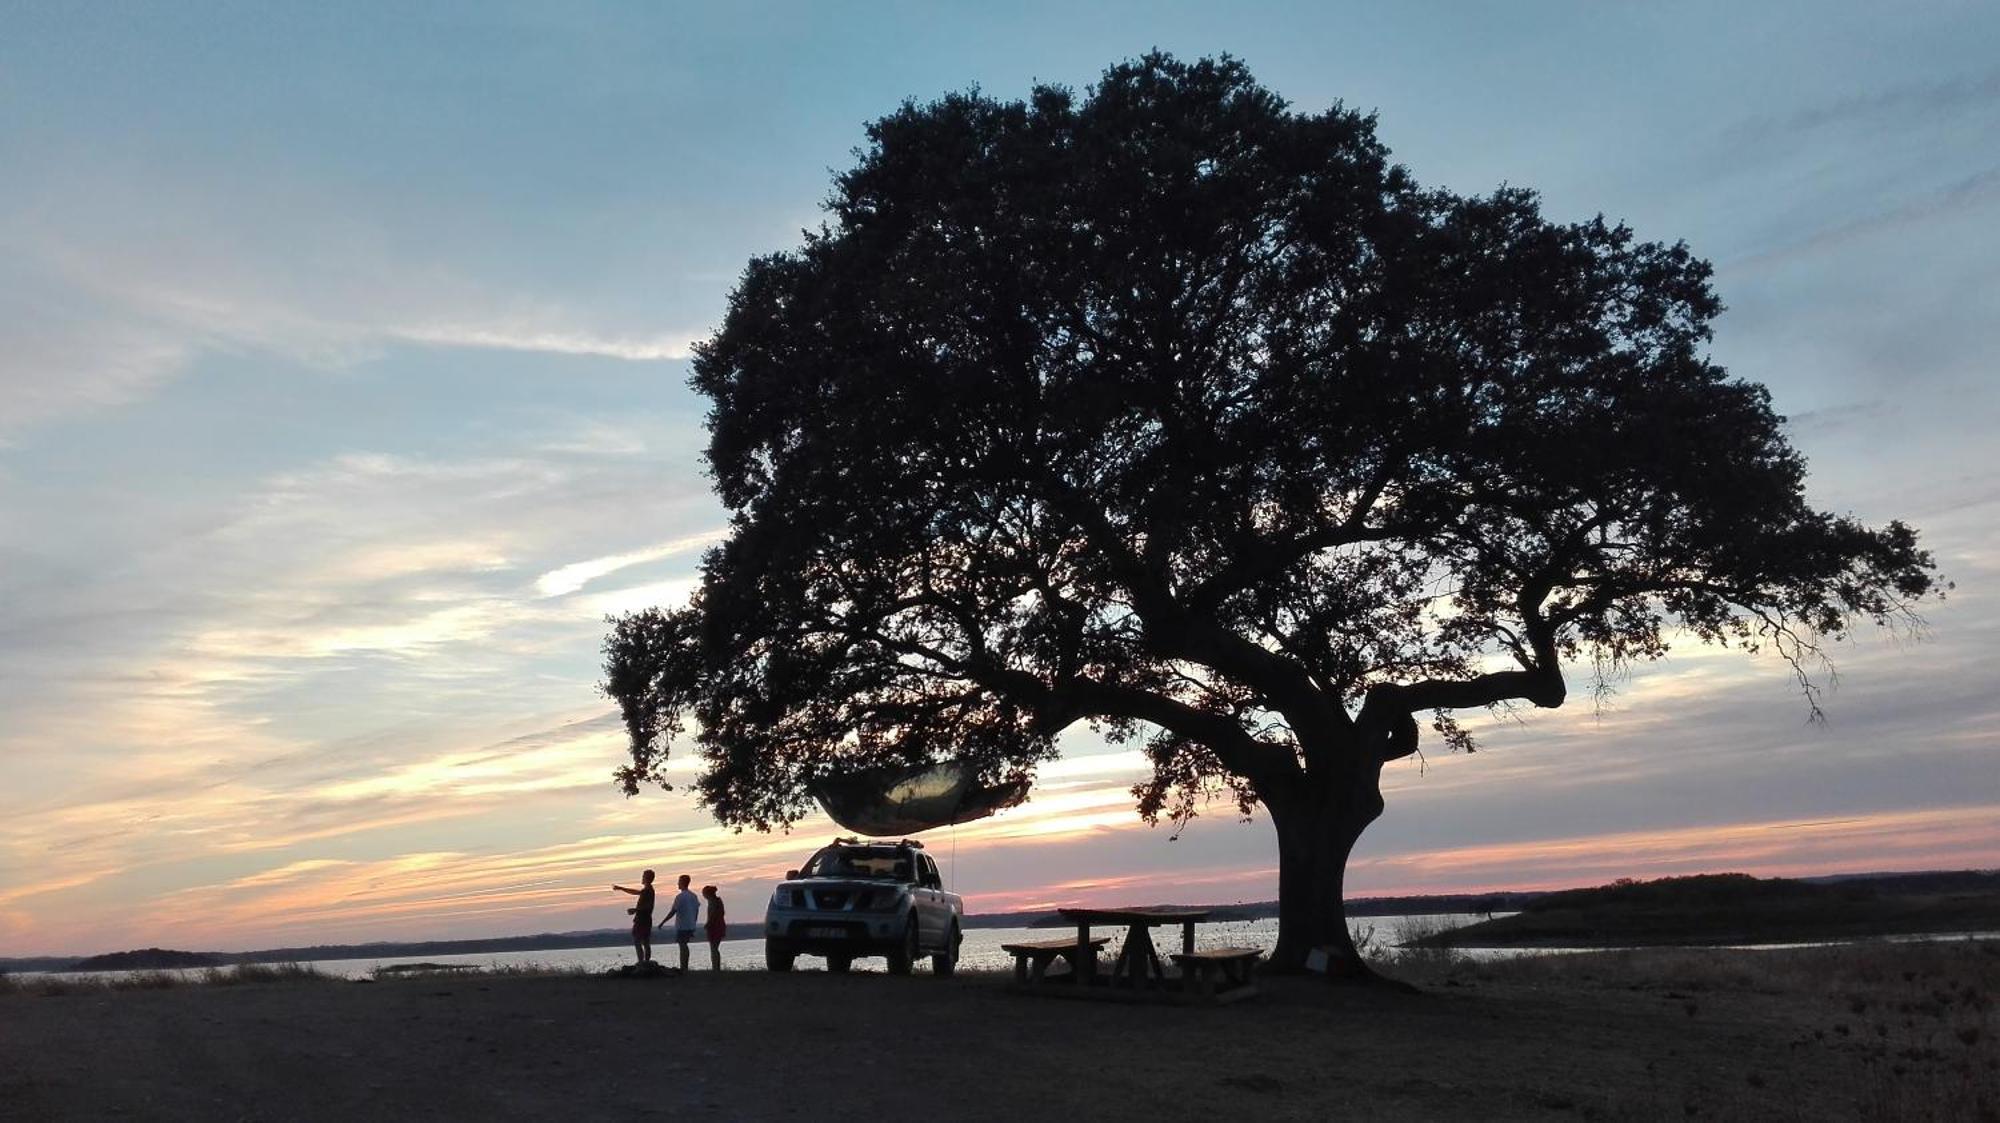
x: 1732, y: 910
x: 1418, y: 905
x: 622, y: 937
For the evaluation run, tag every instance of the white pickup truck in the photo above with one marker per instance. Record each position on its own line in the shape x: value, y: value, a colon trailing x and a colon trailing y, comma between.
x: 854, y: 899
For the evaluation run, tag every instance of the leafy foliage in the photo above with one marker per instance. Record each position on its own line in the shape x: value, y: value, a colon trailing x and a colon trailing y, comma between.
x: 1171, y: 409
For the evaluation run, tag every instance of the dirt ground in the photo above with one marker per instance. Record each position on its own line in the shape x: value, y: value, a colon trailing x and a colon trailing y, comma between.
x: 1625, y: 1035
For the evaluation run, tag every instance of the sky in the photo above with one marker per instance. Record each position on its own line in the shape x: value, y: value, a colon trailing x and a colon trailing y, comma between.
x: 343, y: 352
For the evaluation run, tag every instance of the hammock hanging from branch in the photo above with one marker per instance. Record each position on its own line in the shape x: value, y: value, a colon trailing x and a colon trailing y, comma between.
x: 894, y: 802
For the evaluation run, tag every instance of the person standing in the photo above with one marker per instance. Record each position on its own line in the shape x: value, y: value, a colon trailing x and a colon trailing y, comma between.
x: 717, y: 927
x: 684, y: 912
x: 642, y: 917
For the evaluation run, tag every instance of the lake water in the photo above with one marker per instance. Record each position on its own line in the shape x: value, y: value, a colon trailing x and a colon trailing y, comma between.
x: 981, y: 950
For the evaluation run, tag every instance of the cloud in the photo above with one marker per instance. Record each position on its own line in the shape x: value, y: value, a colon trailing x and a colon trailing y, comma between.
x: 340, y: 653
x: 638, y: 598
x: 357, y: 660
x: 574, y: 576
x: 1968, y: 194
x: 597, y: 437
x: 385, y: 560
x: 1900, y: 104
x: 516, y: 338
x: 1945, y: 837
x: 115, y: 291
x: 61, y: 357
x: 532, y: 888
x: 1844, y: 416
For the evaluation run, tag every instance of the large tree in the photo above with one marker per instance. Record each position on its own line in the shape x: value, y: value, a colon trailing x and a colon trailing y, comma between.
x: 1171, y: 410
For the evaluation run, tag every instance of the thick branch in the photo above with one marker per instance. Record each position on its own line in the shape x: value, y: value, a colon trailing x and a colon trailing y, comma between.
x: 1070, y: 699
x: 1174, y: 632
x: 1260, y: 560
x: 1389, y: 709
x: 1065, y: 702
x: 1542, y: 686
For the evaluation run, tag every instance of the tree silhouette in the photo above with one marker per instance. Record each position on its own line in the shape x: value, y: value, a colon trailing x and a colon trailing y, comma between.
x: 1170, y: 410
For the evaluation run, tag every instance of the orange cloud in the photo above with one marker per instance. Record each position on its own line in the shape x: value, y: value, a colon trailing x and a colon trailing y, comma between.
x: 318, y: 885
x: 1948, y: 837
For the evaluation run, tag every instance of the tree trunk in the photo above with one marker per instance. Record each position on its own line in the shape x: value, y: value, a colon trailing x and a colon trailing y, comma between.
x: 1317, y: 825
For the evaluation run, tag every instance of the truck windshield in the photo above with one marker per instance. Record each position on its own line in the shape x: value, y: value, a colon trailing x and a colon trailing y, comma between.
x: 851, y: 861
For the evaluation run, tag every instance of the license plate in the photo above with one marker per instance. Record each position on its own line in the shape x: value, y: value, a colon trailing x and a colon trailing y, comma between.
x: 827, y: 933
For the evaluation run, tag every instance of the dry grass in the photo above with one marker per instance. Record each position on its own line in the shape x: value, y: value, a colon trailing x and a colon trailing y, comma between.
x: 50, y: 986
x: 1407, y: 952
x: 492, y: 970
x: 265, y: 973
x: 248, y: 974
x: 537, y: 971
x: 1914, y: 1021
x: 144, y: 980
x: 1875, y: 966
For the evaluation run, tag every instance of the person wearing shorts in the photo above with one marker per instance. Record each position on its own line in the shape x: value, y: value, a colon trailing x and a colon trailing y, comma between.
x: 684, y: 912
x: 715, y: 927
x: 642, y: 917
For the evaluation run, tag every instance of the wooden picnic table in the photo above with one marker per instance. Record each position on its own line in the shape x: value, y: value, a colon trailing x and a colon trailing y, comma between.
x: 1138, y: 962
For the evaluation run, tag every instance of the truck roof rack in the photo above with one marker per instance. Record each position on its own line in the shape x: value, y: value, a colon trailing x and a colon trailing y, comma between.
x: 851, y: 840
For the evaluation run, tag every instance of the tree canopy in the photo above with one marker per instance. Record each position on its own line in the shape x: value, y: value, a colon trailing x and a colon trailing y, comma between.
x: 1168, y: 408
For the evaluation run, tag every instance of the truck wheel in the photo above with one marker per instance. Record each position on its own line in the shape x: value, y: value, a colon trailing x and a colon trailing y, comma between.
x: 838, y: 964
x: 945, y: 963
x: 778, y: 955
x: 901, y: 959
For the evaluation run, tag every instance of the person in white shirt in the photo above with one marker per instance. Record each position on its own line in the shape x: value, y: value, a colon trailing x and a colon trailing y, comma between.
x: 683, y: 912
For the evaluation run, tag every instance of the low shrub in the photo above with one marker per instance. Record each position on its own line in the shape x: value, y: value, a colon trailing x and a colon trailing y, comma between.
x: 143, y: 980
x: 244, y: 973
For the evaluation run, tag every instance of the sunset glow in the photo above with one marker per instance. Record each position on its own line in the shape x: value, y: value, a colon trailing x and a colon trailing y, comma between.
x: 323, y: 459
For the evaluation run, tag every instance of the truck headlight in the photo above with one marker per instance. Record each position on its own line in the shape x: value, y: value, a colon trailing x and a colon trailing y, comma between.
x: 883, y: 901
x: 785, y: 898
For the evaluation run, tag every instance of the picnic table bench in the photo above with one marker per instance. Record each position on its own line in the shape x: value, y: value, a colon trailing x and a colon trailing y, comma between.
x: 1138, y: 974
x: 1033, y: 957
x: 1234, y: 968
x: 1138, y: 963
